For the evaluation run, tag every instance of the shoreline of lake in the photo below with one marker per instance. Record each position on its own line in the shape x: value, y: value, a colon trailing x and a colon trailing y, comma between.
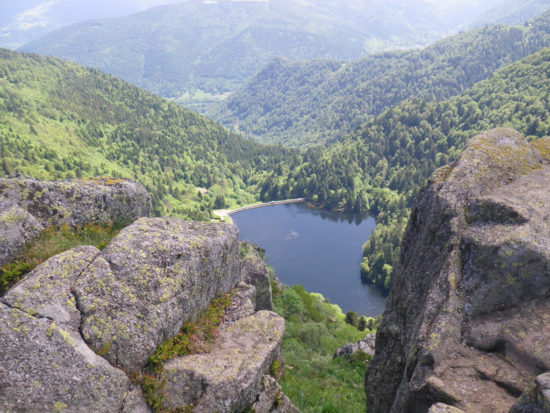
x: 222, y: 213
x: 316, y: 248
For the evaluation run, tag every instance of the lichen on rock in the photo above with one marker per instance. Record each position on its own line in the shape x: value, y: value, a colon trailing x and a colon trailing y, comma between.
x: 155, y: 275
x: 467, y: 321
x: 229, y: 378
x: 29, y: 205
x: 47, y: 367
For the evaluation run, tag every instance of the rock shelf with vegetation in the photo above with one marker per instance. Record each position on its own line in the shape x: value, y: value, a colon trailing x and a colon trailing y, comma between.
x: 87, y: 324
x: 167, y: 316
x: 467, y: 320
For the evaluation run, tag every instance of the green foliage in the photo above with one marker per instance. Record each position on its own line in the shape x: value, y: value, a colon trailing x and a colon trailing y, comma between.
x: 53, y: 241
x: 360, y: 357
x: 306, y: 103
x: 193, y: 337
x: 198, y: 51
x: 59, y: 120
x: 384, y: 163
x: 312, y: 336
x: 352, y: 318
x: 362, y: 324
x: 292, y: 303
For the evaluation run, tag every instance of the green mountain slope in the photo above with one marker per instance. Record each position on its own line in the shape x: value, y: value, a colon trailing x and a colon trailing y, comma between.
x: 199, y: 50
x: 512, y: 12
x: 60, y: 120
x: 382, y: 165
x: 304, y: 103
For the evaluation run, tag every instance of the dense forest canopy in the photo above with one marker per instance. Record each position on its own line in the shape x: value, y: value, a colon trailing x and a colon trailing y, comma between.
x: 197, y: 51
x: 59, y: 120
x: 311, y: 102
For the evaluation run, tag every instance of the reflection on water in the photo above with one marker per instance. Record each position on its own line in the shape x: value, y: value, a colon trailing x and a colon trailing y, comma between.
x: 356, y: 219
x: 316, y: 248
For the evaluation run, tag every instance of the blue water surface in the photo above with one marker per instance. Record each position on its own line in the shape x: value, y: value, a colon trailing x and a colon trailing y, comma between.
x: 318, y: 249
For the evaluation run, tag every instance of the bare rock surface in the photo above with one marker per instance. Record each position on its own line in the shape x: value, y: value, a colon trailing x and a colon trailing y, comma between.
x: 468, y: 321
x: 536, y: 399
x: 272, y: 399
x: 47, y: 367
x: 254, y: 272
x: 17, y: 228
x: 444, y: 408
x: 229, y: 378
x: 366, y: 345
x: 153, y: 276
x: 28, y: 205
x: 242, y: 304
x: 47, y: 291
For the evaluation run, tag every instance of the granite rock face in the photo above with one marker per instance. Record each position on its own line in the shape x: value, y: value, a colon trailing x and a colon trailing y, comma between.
x: 242, y: 304
x: 48, y: 290
x: 47, y: 367
x: 254, y: 272
x: 536, y: 399
x: 468, y: 321
x: 153, y: 276
x: 28, y: 205
x: 366, y: 345
x: 229, y: 378
x: 73, y: 329
x: 272, y: 399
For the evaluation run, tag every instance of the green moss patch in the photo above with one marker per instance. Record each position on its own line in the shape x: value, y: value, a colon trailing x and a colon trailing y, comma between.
x: 193, y: 337
x: 53, y: 241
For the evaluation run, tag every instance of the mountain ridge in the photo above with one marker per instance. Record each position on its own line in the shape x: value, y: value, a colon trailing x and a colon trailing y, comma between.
x: 312, y: 102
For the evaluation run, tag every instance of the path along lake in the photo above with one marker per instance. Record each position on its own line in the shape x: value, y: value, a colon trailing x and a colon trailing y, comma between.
x: 318, y: 249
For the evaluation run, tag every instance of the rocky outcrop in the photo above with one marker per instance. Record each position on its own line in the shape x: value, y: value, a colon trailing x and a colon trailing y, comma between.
x: 17, y: 228
x: 367, y: 345
x: 29, y: 205
x: 254, y: 272
x: 74, y: 327
x: 536, y: 399
x: 467, y: 323
x: 229, y: 378
x: 152, y: 277
x: 272, y: 399
x: 47, y: 367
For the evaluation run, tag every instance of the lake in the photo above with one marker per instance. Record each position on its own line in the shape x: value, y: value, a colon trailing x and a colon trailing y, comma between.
x: 318, y: 249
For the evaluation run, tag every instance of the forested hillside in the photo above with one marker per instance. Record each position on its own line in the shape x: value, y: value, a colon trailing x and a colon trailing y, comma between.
x: 382, y: 165
x: 512, y: 12
x: 59, y: 120
x: 305, y: 103
x: 198, y: 50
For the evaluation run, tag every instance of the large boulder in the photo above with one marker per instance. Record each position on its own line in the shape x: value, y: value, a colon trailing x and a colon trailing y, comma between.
x: 154, y: 275
x: 467, y: 323
x: 17, y: 228
x: 28, y: 205
x: 47, y: 367
x: 229, y: 378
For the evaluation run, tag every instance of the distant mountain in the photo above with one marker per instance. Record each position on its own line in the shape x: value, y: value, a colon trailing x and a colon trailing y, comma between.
x: 59, y: 120
x: 201, y: 49
x: 311, y: 102
x: 25, y: 20
x: 512, y: 12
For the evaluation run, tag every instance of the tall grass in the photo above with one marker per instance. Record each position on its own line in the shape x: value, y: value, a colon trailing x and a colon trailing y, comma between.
x: 314, y: 330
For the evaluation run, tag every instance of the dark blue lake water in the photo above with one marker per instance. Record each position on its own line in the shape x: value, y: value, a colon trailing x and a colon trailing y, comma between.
x: 319, y: 249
